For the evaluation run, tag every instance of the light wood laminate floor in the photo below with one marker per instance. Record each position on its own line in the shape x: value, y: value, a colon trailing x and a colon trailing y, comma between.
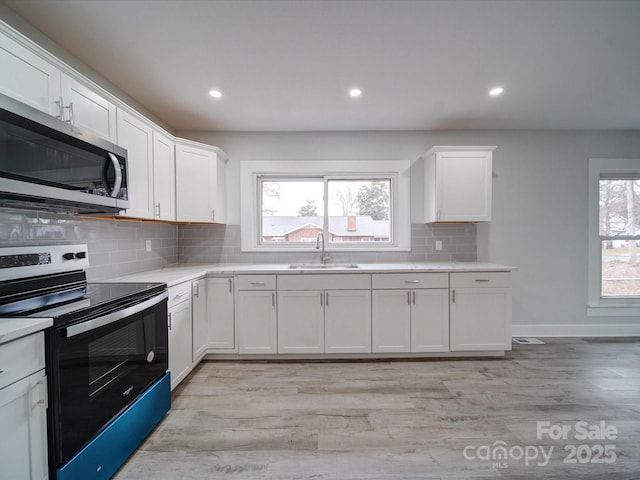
x: 436, y: 419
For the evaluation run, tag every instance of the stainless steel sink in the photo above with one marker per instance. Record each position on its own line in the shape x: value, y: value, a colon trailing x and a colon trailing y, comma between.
x: 320, y: 266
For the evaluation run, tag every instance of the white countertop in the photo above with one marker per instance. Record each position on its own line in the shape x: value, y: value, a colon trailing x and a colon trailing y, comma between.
x: 12, y: 328
x: 178, y: 273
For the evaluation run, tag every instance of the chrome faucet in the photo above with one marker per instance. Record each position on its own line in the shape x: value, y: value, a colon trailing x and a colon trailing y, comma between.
x: 324, y: 258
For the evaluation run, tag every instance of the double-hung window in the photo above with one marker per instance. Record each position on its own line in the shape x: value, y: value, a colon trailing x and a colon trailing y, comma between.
x: 614, y: 237
x: 353, y: 205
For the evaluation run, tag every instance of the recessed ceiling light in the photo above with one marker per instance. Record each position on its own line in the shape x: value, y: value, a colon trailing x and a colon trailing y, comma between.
x: 355, y: 92
x: 215, y: 93
x: 496, y: 91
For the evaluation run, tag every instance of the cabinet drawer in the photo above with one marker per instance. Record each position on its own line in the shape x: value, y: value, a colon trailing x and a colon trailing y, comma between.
x: 256, y: 282
x: 324, y: 281
x: 179, y: 293
x: 409, y: 280
x: 20, y: 358
x: 481, y: 279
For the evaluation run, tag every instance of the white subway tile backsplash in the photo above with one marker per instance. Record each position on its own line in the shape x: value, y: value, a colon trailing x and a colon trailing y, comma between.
x: 118, y: 247
x: 221, y: 244
x: 115, y: 247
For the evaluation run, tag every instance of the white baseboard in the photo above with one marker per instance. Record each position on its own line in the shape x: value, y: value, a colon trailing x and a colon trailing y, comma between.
x: 577, y: 330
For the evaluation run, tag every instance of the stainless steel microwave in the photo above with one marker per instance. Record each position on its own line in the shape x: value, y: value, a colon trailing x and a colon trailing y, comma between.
x: 48, y: 164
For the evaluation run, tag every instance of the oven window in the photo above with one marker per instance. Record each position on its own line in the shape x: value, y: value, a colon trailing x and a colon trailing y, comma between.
x: 113, y: 356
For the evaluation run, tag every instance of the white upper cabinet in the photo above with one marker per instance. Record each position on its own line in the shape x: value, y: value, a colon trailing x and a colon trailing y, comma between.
x: 28, y: 78
x: 137, y: 137
x: 164, y: 184
x: 458, y: 184
x: 33, y: 80
x: 200, y: 184
x: 84, y: 108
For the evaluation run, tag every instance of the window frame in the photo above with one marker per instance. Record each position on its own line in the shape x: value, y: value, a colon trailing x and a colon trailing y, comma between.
x: 397, y: 171
x: 597, y: 305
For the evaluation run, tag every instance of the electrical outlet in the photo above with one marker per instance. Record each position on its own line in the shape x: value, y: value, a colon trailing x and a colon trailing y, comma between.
x: 438, y: 244
x: 148, y: 245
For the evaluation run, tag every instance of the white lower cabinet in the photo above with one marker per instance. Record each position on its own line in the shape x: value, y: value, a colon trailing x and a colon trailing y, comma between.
x: 200, y: 320
x: 180, y: 323
x: 347, y: 321
x: 23, y: 429
x: 480, y: 311
x: 391, y: 321
x: 324, y: 313
x: 220, y: 335
x: 430, y: 320
x: 256, y: 315
x: 410, y: 312
x: 324, y: 321
x: 301, y: 321
x: 257, y: 322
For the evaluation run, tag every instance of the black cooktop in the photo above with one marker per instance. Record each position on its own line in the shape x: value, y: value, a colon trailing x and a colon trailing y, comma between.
x: 71, y: 301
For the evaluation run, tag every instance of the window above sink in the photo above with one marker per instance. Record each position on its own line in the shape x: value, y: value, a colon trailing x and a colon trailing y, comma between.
x: 356, y: 205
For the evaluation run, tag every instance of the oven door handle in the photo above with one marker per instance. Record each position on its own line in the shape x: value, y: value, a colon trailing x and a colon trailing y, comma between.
x: 94, y: 323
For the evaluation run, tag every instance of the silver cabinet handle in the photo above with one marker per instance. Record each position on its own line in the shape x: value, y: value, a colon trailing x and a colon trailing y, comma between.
x: 213, y: 215
x: 321, y: 300
x: 482, y: 280
x: 196, y: 289
x: 40, y: 389
x: 414, y: 297
x: 60, y: 104
x: 326, y: 301
x: 157, y: 210
x: 412, y: 281
x: 169, y: 321
x: 453, y: 296
x: 70, y: 108
x: 230, y: 286
x: 408, y: 298
x: 257, y: 283
x: 273, y: 299
x: 181, y: 294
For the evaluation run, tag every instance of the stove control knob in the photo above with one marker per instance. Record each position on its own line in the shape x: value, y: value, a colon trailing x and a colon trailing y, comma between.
x: 81, y: 255
x: 68, y: 256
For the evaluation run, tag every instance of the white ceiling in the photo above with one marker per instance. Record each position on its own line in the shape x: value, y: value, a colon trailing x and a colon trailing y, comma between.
x: 422, y: 65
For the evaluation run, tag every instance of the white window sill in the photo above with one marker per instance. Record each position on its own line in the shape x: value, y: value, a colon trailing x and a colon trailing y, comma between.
x: 613, y: 310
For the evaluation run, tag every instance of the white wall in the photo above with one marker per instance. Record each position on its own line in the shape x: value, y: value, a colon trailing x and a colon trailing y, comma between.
x: 539, y: 204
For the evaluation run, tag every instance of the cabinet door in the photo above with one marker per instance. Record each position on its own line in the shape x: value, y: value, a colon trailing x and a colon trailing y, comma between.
x: 23, y: 430
x: 195, y: 184
x: 137, y: 137
x: 180, y: 342
x: 29, y: 78
x: 200, y: 327
x: 390, y: 321
x: 347, y: 321
x: 164, y: 185
x: 430, y: 320
x: 257, y: 322
x: 463, y: 186
x: 86, y: 109
x: 221, y: 324
x: 480, y: 319
x: 301, y: 321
